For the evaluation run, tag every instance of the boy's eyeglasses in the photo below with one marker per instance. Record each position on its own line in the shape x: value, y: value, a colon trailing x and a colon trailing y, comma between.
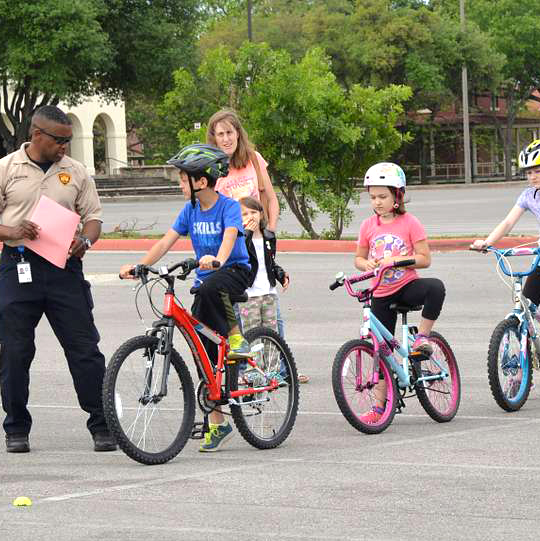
x: 59, y: 140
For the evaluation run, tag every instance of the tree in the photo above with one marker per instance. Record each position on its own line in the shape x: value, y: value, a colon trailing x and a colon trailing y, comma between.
x: 55, y: 50
x: 411, y: 43
x: 317, y: 136
x: 514, y: 28
x: 155, y: 129
x: 284, y: 24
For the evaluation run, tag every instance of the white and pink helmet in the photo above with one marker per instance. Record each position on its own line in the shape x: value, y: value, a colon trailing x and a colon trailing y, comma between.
x: 385, y: 174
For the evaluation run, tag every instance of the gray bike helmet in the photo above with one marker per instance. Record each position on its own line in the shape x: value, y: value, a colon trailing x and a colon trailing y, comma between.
x: 200, y: 160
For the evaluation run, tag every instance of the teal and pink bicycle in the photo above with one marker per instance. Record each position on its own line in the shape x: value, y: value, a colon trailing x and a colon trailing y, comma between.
x: 514, y: 346
x: 361, y: 364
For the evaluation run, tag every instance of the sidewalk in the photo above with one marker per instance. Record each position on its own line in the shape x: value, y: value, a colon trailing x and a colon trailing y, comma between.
x: 305, y: 245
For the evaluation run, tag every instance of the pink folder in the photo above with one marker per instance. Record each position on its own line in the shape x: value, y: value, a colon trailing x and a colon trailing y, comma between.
x: 58, y: 226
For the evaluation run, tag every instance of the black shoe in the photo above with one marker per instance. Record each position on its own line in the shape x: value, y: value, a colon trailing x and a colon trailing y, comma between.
x: 17, y: 443
x: 103, y: 441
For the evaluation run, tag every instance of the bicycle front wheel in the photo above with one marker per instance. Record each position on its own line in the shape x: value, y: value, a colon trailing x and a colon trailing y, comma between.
x: 509, y: 368
x: 440, y: 398
x: 266, y: 419
x: 149, y: 427
x: 354, y: 390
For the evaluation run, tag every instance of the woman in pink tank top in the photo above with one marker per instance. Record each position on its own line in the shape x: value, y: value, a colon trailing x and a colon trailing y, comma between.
x: 225, y: 131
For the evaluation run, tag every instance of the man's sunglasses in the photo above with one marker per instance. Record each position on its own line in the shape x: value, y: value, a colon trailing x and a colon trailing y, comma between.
x: 59, y: 140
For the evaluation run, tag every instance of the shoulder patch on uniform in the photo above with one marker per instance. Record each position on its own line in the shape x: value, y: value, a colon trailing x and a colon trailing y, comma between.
x: 64, y: 178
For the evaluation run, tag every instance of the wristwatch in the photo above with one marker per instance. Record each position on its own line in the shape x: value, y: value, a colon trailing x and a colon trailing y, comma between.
x: 87, y: 242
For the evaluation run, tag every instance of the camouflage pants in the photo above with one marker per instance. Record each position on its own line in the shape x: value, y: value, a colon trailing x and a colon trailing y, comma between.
x: 259, y: 311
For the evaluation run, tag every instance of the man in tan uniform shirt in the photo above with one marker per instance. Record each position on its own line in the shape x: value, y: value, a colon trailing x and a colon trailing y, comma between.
x: 42, y: 168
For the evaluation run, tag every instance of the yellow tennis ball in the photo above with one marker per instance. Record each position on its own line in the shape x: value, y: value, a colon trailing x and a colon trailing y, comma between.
x: 22, y: 501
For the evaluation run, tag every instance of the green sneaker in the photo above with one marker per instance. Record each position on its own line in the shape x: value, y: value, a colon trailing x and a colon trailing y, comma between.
x: 217, y: 436
x: 239, y: 347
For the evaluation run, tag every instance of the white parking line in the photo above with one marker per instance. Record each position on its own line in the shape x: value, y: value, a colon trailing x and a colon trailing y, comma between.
x: 453, y: 434
x: 149, y: 483
x: 506, y: 418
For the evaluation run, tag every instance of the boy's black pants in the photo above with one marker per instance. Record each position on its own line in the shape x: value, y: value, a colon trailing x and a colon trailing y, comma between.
x: 212, y: 305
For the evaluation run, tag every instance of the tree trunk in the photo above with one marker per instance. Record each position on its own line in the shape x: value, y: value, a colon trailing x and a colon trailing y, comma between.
x: 338, y: 228
x: 508, y: 150
x: 423, y: 160
x: 18, y: 109
x: 513, y: 105
x: 298, y: 205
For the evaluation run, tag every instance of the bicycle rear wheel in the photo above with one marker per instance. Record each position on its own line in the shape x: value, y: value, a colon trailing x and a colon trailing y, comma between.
x: 440, y: 398
x: 356, y: 396
x: 509, y: 369
x: 149, y: 428
x: 266, y: 419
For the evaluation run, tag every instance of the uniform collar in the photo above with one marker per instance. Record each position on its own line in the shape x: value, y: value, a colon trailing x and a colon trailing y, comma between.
x: 22, y: 157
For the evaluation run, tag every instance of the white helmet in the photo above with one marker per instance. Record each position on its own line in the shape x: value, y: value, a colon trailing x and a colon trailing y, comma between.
x: 385, y: 174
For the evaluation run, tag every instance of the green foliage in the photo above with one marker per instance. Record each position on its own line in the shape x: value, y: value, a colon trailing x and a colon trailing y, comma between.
x: 148, y: 39
x: 57, y: 46
x: 154, y: 128
x: 512, y: 28
x: 316, y: 136
x: 377, y: 42
x: 55, y: 50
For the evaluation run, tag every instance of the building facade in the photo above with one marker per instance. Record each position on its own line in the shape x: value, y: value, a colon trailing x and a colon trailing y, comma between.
x: 99, y: 135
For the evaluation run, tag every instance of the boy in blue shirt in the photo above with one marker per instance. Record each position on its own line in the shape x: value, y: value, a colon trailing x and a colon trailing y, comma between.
x: 214, y: 224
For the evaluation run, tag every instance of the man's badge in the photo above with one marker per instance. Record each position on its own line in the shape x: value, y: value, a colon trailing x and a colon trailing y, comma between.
x: 64, y: 178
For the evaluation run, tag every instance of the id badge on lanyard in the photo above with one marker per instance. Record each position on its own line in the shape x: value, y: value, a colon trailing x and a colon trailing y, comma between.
x: 24, y: 272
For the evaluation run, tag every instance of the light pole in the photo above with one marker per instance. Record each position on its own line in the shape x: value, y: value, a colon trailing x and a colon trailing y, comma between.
x: 250, y: 30
x: 465, y: 105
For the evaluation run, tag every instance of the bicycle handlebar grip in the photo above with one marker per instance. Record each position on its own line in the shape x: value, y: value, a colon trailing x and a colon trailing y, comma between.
x: 340, y: 279
x: 138, y: 271
x: 405, y: 263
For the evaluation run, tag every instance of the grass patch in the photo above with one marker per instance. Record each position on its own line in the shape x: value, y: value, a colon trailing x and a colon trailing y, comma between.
x: 286, y: 235
x: 130, y: 235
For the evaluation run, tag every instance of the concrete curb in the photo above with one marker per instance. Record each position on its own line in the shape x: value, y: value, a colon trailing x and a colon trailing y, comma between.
x: 304, y: 245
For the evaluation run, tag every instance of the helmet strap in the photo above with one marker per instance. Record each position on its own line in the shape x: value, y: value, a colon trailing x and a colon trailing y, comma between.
x: 192, y: 191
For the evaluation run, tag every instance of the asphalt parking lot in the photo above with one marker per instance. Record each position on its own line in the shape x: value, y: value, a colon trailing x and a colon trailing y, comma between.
x: 474, y: 478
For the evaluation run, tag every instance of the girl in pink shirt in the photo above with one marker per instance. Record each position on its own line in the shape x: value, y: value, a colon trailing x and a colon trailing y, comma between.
x: 393, y: 234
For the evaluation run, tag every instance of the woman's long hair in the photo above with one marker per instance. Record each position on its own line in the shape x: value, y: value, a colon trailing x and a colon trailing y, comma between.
x: 241, y: 156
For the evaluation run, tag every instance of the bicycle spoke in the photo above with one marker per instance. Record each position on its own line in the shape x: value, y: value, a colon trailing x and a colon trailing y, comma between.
x: 149, y: 427
x: 268, y: 421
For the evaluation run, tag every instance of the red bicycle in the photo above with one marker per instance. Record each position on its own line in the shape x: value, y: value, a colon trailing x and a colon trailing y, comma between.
x: 148, y: 392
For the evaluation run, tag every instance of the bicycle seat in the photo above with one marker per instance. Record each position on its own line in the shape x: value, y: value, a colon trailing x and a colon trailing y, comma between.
x: 243, y: 297
x: 239, y: 298
x: 404, y: 308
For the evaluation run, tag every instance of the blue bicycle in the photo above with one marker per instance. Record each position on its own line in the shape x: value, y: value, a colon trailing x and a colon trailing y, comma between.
x: 515, y: 342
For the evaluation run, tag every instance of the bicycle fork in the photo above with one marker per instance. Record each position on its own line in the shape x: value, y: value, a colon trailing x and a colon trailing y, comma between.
x: 525, y: 305
x: 164, y: 348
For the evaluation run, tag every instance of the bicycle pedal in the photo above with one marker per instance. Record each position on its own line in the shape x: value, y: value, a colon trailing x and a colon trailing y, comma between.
x: 417, y: 356
x: 197, y: 432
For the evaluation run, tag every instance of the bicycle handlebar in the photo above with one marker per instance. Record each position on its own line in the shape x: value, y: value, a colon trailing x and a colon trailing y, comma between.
x: 512, y: 252
x: 378, y: 273
x: 188, y: 265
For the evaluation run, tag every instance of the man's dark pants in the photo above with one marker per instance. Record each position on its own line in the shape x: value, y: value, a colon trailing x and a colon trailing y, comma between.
x: 64, y: 297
